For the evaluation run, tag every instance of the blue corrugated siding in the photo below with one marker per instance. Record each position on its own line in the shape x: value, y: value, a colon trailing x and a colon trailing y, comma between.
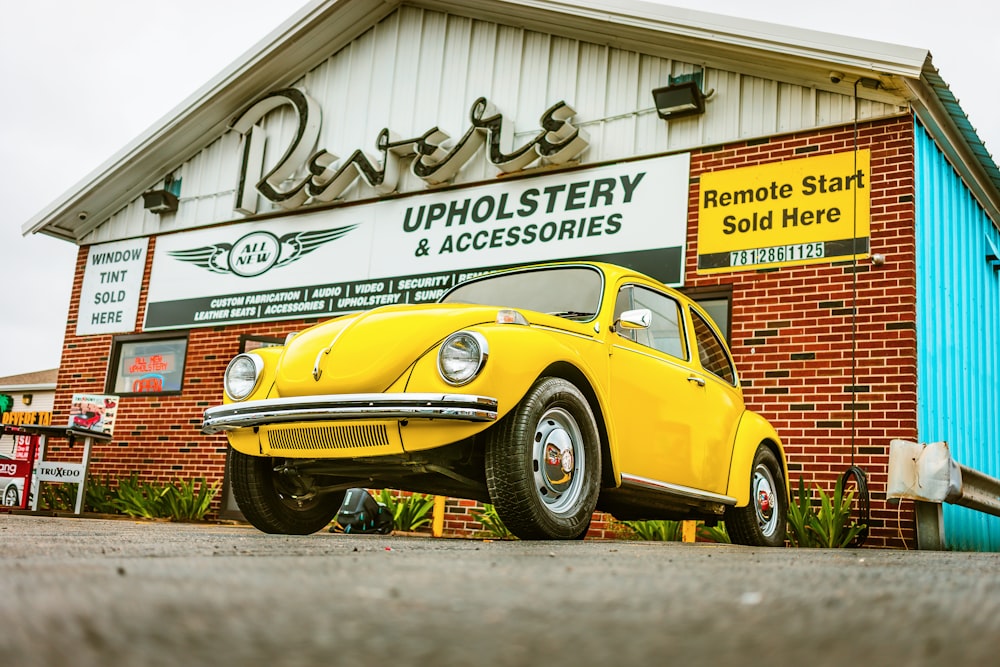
x: 958, y: 334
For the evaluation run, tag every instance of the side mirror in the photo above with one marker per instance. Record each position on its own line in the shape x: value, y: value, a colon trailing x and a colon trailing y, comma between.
x: 641, y: 318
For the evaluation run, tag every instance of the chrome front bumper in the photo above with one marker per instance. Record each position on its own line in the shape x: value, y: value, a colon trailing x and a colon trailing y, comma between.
x: 339, y: 407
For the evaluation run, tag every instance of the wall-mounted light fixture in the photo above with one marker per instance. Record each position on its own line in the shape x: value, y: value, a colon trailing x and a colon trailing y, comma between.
x: 26, y: 398
x: 159, y: 201
x: 682, y: 96
x: 163, y: 200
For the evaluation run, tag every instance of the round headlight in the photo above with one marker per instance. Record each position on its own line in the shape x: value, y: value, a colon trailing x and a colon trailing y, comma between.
x: 462, y: 356
x: 242, y: 375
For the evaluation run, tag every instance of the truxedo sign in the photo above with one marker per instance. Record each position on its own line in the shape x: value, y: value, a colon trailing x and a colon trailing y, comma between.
x: 409, y: 250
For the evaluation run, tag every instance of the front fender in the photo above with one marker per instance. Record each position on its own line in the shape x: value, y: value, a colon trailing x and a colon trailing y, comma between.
x: 753, y: 430
x: 518, y: 355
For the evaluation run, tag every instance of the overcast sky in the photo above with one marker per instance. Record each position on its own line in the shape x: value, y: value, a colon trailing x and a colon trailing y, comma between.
x: 83, y: 79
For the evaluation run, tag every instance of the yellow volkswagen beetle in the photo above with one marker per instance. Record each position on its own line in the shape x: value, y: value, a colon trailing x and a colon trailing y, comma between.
x: 548, y: 391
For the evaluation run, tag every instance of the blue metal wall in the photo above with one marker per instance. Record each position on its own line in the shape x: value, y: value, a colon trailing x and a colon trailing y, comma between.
x: 958, y: 333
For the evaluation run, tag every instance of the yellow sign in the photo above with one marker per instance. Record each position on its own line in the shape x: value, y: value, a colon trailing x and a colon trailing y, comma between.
x: 804, y: 211
x: 27, y: 418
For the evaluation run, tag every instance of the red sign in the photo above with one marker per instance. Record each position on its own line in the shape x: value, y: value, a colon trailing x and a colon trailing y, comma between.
x: 14, y: 468
x: 153, y: 383
x: 153, y: 363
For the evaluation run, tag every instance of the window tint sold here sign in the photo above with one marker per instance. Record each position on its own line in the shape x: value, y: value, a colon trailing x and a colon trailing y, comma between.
x: 804, y: 211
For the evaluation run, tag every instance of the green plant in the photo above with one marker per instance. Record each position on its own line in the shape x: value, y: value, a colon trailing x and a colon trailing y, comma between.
x: 182, y: 503
x: 829, y: 526
x: 409, y: 512
x: 656, y: 530
x: 716, y: 533
x: 141, y: 499
x: 57, y: 497
x: 99, y: 495
x: 491, y: 523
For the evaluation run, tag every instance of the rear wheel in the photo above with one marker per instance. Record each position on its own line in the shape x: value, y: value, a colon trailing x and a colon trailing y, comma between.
x: 543, y: 464
x: 762, y: 522
x: 276, y: 502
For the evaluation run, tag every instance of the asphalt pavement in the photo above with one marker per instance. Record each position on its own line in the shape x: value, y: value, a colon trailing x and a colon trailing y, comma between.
x: 91, y: 592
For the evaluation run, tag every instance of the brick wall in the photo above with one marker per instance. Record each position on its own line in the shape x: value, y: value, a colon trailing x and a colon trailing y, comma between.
x: 791, y: 336
x: 157, y: 436
x: 792, y: 328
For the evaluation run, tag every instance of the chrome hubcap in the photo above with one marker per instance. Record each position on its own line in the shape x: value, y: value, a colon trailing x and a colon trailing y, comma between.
x: 764, y: 501
x: 557, y: 460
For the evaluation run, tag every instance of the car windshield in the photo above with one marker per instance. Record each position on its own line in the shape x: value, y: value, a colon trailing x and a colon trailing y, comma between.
x: 573, y: 292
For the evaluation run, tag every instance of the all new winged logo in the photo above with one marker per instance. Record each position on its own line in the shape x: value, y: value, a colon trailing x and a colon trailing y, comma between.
x: 258, y: 252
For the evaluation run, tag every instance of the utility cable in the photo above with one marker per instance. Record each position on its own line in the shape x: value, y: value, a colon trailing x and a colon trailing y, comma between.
x: 862, y: 497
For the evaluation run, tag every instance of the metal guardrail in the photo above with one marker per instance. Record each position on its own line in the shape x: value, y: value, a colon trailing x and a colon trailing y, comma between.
x: 929, y: 475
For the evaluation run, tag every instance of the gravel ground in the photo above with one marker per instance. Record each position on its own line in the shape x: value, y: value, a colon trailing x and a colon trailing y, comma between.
x: 82, y: 592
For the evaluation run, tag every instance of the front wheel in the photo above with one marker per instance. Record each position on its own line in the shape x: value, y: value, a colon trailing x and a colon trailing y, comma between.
x: 274, y: 502
x: 762, y: 522
x: 543, y: 464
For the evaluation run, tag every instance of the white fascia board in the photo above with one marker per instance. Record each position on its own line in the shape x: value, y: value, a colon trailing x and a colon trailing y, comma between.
x: 880, y: 57
x: 21, y: 388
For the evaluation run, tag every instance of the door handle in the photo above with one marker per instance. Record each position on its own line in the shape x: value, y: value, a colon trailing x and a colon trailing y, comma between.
x: 697, y: 380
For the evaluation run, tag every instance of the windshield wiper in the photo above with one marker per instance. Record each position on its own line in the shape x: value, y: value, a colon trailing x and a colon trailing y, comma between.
x: 571, y: 314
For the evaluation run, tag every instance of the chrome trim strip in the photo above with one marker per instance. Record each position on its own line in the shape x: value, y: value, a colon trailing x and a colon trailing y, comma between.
x: 664, y: 357
x: 546, y: 327
x: 340, y: 407
x: 677, y: 489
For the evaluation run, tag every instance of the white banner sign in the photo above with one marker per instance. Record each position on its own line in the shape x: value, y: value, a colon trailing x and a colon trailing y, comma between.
x: 57, y: 471
x: 409, y: 250
x: 109, y: 300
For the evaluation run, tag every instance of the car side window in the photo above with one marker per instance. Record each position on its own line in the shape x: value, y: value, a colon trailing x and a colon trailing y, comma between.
x: 665, y: 333
x: 711, y: 351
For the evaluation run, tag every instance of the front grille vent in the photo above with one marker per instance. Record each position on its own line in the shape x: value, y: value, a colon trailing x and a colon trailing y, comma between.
x: 329, y: 437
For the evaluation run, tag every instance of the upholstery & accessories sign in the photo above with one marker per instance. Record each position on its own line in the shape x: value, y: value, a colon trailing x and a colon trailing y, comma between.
x: 411, y: 249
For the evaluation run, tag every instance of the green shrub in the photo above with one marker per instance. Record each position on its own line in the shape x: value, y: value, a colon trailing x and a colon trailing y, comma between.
x: 57, y: 497
x: 409, y: 512
x: 140, y: 499
x: 716, y: 533
x: 827, y: 527
x: 656, y: 530
x: 491, y: 523
x: 99, y: 495
x: 182, y: 503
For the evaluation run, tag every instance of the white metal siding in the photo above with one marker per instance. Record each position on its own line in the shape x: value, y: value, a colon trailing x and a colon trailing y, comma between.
x: 420, y: 68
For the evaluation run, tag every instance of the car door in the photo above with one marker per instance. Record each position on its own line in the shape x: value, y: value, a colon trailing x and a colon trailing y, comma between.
x: 720, y: 403
x: 654, y: 399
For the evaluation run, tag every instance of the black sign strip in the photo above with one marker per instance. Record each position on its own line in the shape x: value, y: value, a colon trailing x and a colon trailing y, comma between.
x: 831, y: 251
x: 326, y: 300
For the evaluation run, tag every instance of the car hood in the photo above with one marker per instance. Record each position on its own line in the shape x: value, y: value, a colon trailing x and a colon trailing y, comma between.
x: 369, y: 351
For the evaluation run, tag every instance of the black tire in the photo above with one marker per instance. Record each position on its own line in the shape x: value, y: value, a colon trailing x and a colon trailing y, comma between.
x: 11, y: 497
x: 543, y: 464
x: 267, y: 499
x: 762, y: 522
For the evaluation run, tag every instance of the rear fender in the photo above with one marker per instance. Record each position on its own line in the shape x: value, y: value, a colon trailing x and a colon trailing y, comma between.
x: 753, y: 430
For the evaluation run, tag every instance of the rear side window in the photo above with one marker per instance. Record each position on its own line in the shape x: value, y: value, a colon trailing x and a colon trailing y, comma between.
x: 711, y: 351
